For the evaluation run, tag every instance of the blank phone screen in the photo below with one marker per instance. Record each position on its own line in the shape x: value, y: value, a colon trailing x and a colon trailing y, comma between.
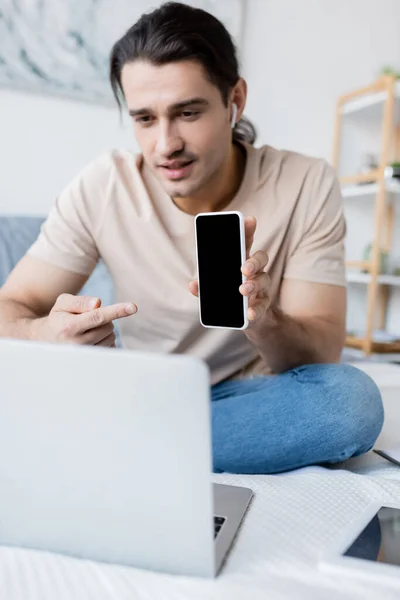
x: 219, y: 263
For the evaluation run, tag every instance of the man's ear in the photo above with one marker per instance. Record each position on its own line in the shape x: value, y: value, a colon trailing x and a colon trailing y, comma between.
x: 238, y: 97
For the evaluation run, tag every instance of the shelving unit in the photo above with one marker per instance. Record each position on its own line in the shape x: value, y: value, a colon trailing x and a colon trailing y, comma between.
x: 369, y: 102
x: 370, y: 98
x: 367, y: 278
x: 370, y: 189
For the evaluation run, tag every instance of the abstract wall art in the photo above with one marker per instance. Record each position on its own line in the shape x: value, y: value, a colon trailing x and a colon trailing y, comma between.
x: 61, y: 47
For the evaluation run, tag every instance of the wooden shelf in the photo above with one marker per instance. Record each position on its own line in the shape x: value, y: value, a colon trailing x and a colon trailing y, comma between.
x: 354, y: 354
x: 379, y: 347
x: 367, y: 277
x: 372, y: 176
x: 370, y: 189
x: 369, y: 104
x: 358, y: 264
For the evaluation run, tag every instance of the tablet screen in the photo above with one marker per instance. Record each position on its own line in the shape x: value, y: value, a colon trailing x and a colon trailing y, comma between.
x: 380, y: 539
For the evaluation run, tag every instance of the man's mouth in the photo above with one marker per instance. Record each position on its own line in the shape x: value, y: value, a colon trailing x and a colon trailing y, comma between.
x: 177, y: 169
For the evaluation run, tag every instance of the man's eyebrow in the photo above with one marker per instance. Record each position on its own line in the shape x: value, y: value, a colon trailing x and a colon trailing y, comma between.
x: 174, y: 107
x: 190, y: 102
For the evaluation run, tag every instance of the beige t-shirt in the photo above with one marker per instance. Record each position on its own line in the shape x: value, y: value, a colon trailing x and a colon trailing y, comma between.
x: 116, y: 210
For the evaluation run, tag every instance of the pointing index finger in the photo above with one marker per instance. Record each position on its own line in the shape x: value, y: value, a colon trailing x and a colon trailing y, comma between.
x: 106, y: 314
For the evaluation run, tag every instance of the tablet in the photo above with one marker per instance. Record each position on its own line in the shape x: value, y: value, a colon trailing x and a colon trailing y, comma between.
x: 370, y: 545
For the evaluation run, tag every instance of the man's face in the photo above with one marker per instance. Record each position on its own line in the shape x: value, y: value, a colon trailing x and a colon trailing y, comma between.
x: 180, y: 122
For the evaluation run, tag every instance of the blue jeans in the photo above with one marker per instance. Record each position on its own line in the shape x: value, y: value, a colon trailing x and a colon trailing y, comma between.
x: 315, y: 414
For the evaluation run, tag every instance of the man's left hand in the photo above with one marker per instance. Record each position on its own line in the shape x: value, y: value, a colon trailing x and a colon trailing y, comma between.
x: 256, y: 287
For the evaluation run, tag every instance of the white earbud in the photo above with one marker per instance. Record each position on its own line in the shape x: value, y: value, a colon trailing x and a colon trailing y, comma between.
x: 234, y: 115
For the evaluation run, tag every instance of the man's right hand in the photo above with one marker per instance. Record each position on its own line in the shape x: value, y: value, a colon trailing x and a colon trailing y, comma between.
x: 82, y: 320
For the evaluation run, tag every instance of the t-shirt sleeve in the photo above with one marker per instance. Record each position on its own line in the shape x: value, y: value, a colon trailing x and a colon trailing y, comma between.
x: 317, y: 252
x: 67, y: 237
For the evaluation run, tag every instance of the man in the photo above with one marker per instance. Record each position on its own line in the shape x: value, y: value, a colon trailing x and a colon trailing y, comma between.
x: 279, y: 400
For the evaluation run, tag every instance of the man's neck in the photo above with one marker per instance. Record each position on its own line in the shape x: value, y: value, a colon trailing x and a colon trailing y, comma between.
x: 221, y: 188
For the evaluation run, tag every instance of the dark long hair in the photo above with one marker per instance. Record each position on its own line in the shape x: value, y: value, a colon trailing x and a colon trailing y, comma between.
x: 176, y: 32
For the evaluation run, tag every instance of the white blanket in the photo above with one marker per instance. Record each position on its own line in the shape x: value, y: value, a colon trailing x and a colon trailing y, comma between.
x: 292, y: 520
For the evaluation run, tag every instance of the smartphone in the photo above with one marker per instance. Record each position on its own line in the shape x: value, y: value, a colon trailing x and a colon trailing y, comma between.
x: 221, y: 252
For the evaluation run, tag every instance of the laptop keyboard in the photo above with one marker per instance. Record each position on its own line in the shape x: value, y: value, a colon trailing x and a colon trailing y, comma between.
x: 218, y: 522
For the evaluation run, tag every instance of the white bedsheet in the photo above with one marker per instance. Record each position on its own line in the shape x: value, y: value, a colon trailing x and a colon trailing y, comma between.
x: 292, y: 519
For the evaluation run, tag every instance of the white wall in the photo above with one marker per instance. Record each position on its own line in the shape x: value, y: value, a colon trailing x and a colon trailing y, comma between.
x: 45, y: 141
x: 298, y: 57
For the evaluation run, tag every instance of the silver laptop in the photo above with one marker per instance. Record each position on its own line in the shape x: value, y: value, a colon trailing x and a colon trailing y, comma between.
x: 105, y: 454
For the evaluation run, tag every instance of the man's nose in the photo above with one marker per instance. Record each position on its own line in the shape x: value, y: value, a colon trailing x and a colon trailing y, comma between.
x: 168, y: 139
